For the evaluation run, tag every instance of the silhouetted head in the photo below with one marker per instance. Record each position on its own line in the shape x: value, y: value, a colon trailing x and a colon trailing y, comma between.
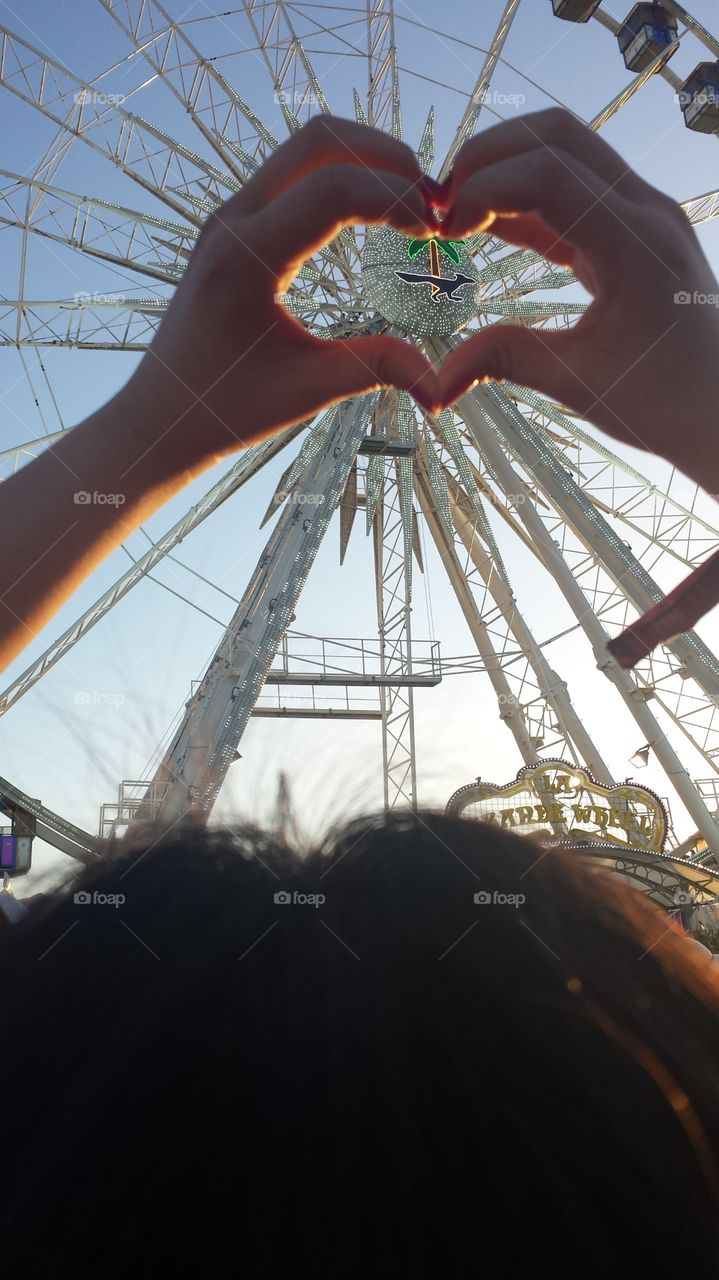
x: 426, y: 1049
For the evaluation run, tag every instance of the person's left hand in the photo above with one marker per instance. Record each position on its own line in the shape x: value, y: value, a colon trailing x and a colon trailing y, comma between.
x: 641, y: 363
x: 229, y: 364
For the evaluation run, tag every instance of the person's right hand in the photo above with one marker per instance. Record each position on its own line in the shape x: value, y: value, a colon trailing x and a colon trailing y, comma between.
x: 229, y: 365
x: 643, y: 362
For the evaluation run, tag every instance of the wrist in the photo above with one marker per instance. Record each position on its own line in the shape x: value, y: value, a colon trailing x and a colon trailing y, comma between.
x: 168, y: 425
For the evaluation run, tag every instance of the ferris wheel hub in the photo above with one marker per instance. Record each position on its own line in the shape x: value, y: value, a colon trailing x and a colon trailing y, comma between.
x: 428, y: 288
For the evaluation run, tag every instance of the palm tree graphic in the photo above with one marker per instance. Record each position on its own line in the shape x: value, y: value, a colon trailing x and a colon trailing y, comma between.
x: 436, y: 246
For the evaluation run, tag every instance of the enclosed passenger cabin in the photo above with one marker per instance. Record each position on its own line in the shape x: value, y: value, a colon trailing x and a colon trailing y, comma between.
x: 699, y: 98
x: 575, y: 10
x: 648, y: 31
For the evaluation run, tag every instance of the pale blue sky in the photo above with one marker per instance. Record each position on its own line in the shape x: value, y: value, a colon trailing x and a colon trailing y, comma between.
x: 153, y: 645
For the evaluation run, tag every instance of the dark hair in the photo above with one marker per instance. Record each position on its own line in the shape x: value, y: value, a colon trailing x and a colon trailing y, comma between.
x: 398, y: 1079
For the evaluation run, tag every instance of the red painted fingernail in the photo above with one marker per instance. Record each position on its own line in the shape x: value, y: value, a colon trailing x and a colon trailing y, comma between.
x: 431, y: 190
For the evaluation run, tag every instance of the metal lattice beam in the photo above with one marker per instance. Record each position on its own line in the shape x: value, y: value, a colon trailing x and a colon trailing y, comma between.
x: 393, y: 538
x: 151, y: 246
x: 383, y: 101
x: 176, y: 174
x: 195, y: 764
x: 478, y: 95
x: 212, y: 104
x: 483, y: 417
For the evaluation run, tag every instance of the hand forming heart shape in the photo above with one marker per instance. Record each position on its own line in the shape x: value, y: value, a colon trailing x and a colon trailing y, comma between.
x: 229, y: 365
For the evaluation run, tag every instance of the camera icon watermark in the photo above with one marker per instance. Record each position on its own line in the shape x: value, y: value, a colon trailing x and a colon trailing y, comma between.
x: 683, y: 298
x: 483, y: 898
x: 85, y: 899
x: 284, y: 898
x: 84, y: 499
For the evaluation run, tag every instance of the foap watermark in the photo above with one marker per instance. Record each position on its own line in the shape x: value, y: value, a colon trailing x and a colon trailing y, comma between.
x: 98, y: 698
x: 85, y: 499
x: 506, y: 500
x: 298, y: 99
x: 94, y: 298
x: 495, y: 98
x: 284, y: 898
x: 300, y: 499
x: 684, y: 298
x: 99, y: 99
x: 85, y: 899
x: 706, y: 97
x: 483, y: 898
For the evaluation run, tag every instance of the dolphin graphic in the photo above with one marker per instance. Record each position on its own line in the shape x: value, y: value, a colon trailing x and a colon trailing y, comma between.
x: 441, y: 285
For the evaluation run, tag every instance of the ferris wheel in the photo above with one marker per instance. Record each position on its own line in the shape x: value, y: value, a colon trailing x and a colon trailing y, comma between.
x: 504, y: 463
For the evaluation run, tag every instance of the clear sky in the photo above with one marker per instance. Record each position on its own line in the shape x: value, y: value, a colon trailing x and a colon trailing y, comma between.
x: 137, y: 665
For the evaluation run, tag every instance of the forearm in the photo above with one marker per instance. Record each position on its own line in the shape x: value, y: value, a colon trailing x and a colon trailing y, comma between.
x: 63, y: 513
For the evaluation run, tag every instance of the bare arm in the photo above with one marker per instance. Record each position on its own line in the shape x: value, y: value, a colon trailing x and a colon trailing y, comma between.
x: 227, y: 367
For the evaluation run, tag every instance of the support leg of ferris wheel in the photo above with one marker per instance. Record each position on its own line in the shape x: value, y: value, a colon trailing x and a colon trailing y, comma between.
x: 472, y: 409
x: 553, y: 689
x: 188, y: 779
x: 511, y: 711
x: 593, y: 531
x: 688, y: 691
x: 392, y: 539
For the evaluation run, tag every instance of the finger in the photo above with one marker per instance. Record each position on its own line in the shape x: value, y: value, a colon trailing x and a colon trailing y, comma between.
x: 357, y: 365
x: 553, y: 129
x: 310, y: 214
x: 513, y: 353
x: 326, y: 140
x: 570, y: 200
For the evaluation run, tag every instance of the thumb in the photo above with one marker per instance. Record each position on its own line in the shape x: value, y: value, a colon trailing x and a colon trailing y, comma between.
x: 356, y: 365
x: 514, y: 353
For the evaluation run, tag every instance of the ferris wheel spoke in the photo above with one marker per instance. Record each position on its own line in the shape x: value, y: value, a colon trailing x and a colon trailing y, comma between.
x: 617, y: 489
x: 455, y: 461
x: 212, y: 104
x: 532, y: 699
x: 163, y: 166
x: 625, y: 95
x: 393, y: 546
x: 297, y: 88
x: 501, y: 434
x: 248, y: 465
x: 539, y: 694
x: 479, y: 93
x: 16, y: 456
x: 702, y: 208
x: 139, y: 242
x: 531, y: 311
x: 612, y: 579
x: 103, y: 323
x: 384, y: 109
x: 425, y: 150
x: 204, y: 746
